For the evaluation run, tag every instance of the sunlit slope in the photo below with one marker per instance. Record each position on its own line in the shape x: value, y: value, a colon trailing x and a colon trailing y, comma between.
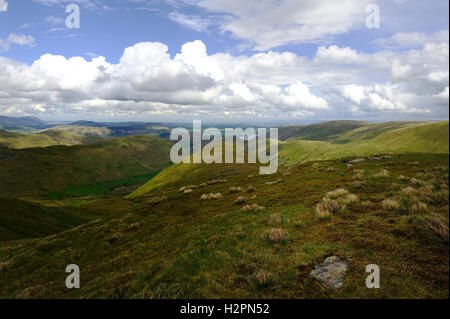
x: 319, y: 132
x: 387, y: 137
x: 51, y: 137
x: 21, y: 219
x: 38, y: 171
x: 172, y: 244
x: 189, y: 174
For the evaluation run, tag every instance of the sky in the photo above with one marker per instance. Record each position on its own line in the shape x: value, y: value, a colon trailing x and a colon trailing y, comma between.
x: 273, y: 61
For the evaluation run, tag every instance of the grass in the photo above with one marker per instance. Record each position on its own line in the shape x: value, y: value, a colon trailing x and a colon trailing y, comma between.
x: 369, y: 140
x: 21, y: 219
x: 111, y: 188
x: 82, y: 168
x: 182, y: 247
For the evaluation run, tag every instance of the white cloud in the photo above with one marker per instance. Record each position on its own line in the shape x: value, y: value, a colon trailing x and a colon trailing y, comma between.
x: 192, y: 22
x: 19, y: 39
x: 336, y: 82
x: 411, y: 39
x: 3, y: 6
x: 272, y: 23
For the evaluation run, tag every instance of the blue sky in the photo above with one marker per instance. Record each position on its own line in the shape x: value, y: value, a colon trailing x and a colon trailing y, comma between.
x: 268, y: 60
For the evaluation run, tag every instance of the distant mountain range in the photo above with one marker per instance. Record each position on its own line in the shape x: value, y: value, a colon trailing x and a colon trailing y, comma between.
x: 7, y: 122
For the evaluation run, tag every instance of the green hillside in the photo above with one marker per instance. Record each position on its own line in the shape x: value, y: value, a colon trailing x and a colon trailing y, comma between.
x: 318, y: 132
x: 49, y: 137
x: 259, y: 239
x: 397, y: 137
x: 21, y: 219
x: 40, y: 171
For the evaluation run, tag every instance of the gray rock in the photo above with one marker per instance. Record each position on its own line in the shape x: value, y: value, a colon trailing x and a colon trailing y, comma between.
x: 349, y: 165
x: 358, y: 160
x: 387, y: 157
x: 331, y: 272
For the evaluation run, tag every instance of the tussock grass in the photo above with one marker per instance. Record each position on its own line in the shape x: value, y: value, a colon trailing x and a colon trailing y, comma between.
x: 337, y: 193
x: 264, y: 279
x: 234, y: 189
x: 382, y: 174
x: 322, y: 212
x: 211, y: 196
x: 390, y: 205
x: 438, y: 224
x: 253, y: 207
x: 408, y: 191
x: 275, y: 235
x: 349, y: 199
x: 419, y: 208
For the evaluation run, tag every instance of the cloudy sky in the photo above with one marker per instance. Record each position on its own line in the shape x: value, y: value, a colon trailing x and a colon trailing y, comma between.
x: 225, y: 60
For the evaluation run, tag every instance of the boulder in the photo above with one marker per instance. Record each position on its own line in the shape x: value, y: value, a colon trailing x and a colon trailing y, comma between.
x: 331, y: 272
x: 358, y: 160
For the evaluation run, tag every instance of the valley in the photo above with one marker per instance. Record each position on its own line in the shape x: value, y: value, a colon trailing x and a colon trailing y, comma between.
x: 141, y: 227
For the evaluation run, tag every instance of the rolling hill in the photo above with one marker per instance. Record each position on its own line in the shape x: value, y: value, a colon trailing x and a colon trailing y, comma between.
x: 21, y: 219
x: 41, y: 171
x: 397, y: 137
x: 8, y: 122
x: 318, y: 132
x: 51, y: 137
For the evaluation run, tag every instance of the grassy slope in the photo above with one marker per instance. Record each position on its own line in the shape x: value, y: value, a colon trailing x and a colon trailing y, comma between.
x: 39, y: 171
x: 21, y: 219
x: 371, y: 139
x: 320, y: 131
x: 183, y: 247
x: 44, y: 139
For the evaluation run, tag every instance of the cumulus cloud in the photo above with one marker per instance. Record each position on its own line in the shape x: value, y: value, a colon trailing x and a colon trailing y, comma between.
x: 336, y: 81
x: 18, y: 39
x: 411, y: 39
x: 272, y: 23
x: 3, y: 6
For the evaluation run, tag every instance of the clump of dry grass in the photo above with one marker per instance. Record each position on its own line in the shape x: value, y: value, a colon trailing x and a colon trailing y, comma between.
x: 439, y: 197
x: 358, y: 174
x: 402, y: 177
x: 240, y: 200
x: 322, y: 212
x: 349, y: 199
x: 253, y: 207
x: 275, y: 235
x: 250, y: 189
x: 211, y: 196
x: 438, y: 224
x: 187, y: 191
x: 408, y: 191
x: 415, y: 181
x: 366, y: 204
x: 419, y: 208
x: 384, y: 173
x: 234, y: 189
x: 390, y: 205
x: 337, y: 193
x: 330, y: 169
x: 264, y: 279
